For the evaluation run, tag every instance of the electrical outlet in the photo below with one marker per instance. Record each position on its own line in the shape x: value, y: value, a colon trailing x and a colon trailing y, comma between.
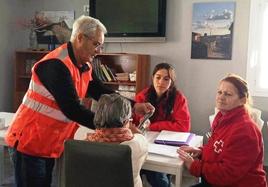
x: 86, y: 8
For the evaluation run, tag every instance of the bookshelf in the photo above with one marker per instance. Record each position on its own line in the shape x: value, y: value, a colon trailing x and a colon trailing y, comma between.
x: 117, y: 62
x: 120, y: 63
x: 23, y: 63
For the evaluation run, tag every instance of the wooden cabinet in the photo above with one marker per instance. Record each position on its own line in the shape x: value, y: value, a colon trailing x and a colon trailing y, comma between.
x: 24, y: 62
x: 117, y: 62
x: 127, y: 63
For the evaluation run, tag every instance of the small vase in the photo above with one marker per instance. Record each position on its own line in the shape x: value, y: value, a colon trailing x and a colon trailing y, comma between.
x: 33, y: 45
x: 51, y: 43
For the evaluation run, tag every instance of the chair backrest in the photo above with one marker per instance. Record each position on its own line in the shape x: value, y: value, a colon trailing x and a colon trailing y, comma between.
x: 96, y: 164
x: 256, y: 116
x: 212, y: 116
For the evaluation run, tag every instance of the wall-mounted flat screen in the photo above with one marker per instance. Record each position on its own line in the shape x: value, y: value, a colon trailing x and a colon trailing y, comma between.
x: 131, y: 20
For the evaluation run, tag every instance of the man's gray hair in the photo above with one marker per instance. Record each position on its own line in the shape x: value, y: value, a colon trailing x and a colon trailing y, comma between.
x: 112, y: 111
x: 86, y: 25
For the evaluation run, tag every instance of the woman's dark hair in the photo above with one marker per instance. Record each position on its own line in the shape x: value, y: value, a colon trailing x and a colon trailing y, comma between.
x: 170, y: 94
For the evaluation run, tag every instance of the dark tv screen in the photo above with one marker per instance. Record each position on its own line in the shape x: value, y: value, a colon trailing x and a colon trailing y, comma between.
x: 131, y: 18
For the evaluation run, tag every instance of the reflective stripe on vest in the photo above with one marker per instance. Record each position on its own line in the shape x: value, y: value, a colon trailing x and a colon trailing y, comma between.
x: 46, y: 110
x: 40, y: 89
x: 63, y: 54
x: 43, y: 108
x: 39, y: 115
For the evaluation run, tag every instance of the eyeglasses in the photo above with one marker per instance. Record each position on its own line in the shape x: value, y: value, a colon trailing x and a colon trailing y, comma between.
x: 97, y: 45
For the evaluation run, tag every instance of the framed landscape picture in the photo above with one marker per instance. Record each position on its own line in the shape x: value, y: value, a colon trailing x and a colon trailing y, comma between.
x: 212, y: 30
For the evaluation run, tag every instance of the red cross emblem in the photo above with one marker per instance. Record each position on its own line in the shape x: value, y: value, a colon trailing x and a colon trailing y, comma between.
x: 218, y: 145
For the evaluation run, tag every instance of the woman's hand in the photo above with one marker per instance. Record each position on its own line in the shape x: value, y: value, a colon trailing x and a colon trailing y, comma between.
x: 193, y: 151
x: 186, y: 157
x: 133, y: 127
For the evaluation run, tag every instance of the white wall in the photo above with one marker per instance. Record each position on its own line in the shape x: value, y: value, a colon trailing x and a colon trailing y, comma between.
x: 14, y: 37
x: 196, y: 78
x: 9, y: 40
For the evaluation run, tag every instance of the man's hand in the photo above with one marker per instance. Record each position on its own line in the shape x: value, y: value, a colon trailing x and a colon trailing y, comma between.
x: 143, y: 108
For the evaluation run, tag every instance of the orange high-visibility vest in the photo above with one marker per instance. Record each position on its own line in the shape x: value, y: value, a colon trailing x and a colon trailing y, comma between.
x: 39, y: 127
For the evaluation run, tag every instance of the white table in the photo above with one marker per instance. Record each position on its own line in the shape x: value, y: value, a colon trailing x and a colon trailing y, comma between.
x: 170, y: 165
x: 2, y: 154
x: 155, y: 162
x: 8, y: 118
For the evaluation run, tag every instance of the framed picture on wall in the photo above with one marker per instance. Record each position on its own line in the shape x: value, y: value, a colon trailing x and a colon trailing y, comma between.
x: 212, y: 30
x: 55, y: 25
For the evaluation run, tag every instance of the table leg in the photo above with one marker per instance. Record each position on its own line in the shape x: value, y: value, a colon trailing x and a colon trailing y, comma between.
x: 178, y: 177
x: 2, y: 164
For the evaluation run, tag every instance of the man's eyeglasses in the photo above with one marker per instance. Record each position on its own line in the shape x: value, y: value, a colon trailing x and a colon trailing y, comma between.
x: 97, y: 45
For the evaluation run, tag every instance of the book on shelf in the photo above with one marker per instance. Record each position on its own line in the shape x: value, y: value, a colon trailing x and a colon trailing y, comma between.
x: 110, y: 72
x: 98, y: 71
x: 105, y: 72
x: 102, y: 75
x: 127, y: 88
x: 174, y: 138
x: 95, y: 69
x: 122, y: 76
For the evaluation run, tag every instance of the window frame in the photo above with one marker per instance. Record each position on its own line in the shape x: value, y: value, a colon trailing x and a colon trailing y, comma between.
x: 254, y: 47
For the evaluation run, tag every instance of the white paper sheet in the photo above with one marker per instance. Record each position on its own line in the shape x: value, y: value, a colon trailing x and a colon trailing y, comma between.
x: 173, y: 136
x: 170, y: 151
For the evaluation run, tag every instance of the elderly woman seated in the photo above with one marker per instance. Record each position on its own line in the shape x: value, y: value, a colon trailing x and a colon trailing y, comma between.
x: 113, y: 125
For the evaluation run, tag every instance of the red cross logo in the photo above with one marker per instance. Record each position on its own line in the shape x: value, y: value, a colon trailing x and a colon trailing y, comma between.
x: 218, y: 145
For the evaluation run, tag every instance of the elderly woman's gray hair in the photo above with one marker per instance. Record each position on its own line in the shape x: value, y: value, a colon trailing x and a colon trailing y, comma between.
x: 86, y: 25
x: 112, y: 111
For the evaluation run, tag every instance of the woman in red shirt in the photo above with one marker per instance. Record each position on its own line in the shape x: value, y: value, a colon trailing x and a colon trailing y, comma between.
x: 233, y: 156
x: 171, y: 111
x: 171, y: 107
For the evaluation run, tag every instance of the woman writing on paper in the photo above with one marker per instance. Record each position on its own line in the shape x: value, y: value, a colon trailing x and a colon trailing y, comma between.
x: 233, y: 156
x: 171, y: 110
